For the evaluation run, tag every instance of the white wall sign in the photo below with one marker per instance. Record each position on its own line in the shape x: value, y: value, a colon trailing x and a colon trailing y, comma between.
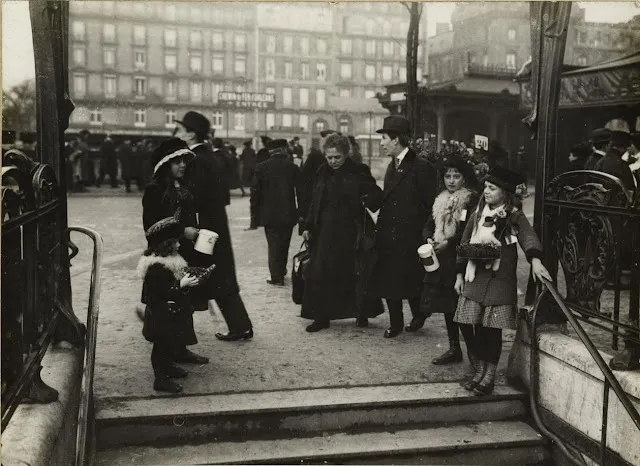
x: 481, y: 142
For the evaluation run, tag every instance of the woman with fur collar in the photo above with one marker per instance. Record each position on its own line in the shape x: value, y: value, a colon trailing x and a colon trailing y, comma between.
x: 168, y: 320
x: 443, y: 231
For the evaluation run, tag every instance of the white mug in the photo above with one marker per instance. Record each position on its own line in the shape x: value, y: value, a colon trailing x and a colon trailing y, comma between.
x: 428, y: 258
x: 206, y: 241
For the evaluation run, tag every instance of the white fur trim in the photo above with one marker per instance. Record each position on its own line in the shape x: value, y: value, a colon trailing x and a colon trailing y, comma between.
x: 172, y: 155
x: 176, y: 264
x: 447, y: 212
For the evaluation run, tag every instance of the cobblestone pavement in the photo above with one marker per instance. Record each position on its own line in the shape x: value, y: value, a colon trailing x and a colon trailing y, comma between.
x: 281, y: 356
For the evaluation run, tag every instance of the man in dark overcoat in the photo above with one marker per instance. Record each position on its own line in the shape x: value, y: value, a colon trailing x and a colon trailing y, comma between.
x: 128, y: 163
x: 612, y: 162
x: 205, y: 176
x: 108, y: 162
x: 600, y: 139
x: 248, y: 160
x: 273, y: 205
x: 263, y: 153
x: 220, y: 154
x: 410, y: 187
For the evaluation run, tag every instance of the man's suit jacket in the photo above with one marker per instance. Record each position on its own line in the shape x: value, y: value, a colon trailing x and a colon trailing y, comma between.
x: 275, y: 188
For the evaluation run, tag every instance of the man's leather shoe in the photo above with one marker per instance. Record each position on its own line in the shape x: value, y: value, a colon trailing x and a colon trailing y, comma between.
x: 317, y: 325
x: 235, y: 336
x: 451, y: 356
x: 164, y: 384
x: 174, y: 372
x: 276, y: 282
x: 189, y: 357
x: 416, y: 324
x: 392, y: 333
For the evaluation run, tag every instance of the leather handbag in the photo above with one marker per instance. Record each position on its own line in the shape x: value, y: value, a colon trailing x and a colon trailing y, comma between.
x: 298, y: 272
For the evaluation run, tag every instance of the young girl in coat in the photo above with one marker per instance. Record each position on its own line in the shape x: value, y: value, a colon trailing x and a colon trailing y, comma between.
x: 168, y: 321
x: 486, y: 280
x: 443, y: 231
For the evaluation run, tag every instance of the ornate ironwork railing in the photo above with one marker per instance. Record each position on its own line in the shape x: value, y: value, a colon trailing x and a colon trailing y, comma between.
x: 610, y: 380
x: 592, y: 230
x: 35, y: 309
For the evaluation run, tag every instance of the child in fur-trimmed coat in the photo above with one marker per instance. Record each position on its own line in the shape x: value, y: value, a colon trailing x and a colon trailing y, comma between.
x: 443, y: 231
x: 168, y: 320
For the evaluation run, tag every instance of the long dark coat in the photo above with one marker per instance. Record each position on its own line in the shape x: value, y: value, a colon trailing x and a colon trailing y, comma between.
x: 409, y: 192
x: 276, y: 185
x: 108, y: 159
x: 205, y: 175
x: 308, y: 173
x: 223, y: 173
x: 128, y: 161
x: 248, y: 159
x: 336, y: 221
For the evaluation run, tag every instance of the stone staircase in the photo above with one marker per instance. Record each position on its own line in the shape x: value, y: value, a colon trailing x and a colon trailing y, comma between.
x: 424, y: 423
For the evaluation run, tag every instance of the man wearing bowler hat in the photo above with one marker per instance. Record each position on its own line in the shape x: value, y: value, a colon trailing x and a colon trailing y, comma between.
x: 410, y: 187
x: 273, y: 205
x: 205, y: 176
x: 600, y: 139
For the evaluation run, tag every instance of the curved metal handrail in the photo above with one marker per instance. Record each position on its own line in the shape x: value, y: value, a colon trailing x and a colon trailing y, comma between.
x: 86, y: 390
x: 610, y: 378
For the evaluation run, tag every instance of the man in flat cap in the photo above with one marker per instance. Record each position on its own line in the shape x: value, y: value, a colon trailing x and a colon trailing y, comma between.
x: 205, y: 176
x: 410, y: 187
x: 612, y: 162
x: 600, y: 139
x: 274, y: 191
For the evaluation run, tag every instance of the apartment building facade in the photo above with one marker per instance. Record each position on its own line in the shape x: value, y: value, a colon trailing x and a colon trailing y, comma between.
x: 135, y: 67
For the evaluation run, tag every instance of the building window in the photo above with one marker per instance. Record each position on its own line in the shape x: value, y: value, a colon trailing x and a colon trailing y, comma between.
x: 320, y: 126
x: 321, y: 98
x: 109, y: 83
x: 139, y: 35
x: 95, y: 117
x: 270, y: 68
x: 303, y: 121
x: 109, y: 58
x: 386, y: 28
x: 270, y: 90
x: 195, y: 62
x: 304, y: 45
x: 109, y: 33
x: 271, y: 44
x: 170, y: 62
x: 217, y: 40
x: 321, y: 71
x: 287, y: 120
x: 107, y: 7
x: 387, y: 48
x: 511, y: 60
x: 370, y: 72
x: 321, y: 46
x: 402, y: 74
x: 288, y: 70
x: 240, y: 65
x: 344, y: 125
x: 216, y: 88
x: 346, y: 46
x: 140, y: 86
x: 195, y: 91
x: 79, y: 56
x: 196, y: 14
x: 304, y: 97
x: 345, y: 92
x: 345, y: 70
x: 369, y: 27
x: 511, y: 34
x: 140, y: 60
x: 304, y: 71
x: 370, y: 47
x: 582, y: 37
x: 582, y: 60
x: 170, y: 38
x: 140, y: 118
x: 171, y: 89
x: 387, y: 73
x: 78, y: 30
x: 271, y: 120
x: 286, y: 96
x: 216, y: 120
x: 170, y: 118
x: 79, y: 85
x: 170, y: 12
x: 287, y: 44
x: 485, y: 60
x: 240, y: 42
x: 238, y: 121
x: 369, y: 94
x: 217, y: 64
x: 195, y: 39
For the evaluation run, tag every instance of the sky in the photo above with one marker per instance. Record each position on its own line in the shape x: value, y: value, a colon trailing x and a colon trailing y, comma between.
x: 17, y: 48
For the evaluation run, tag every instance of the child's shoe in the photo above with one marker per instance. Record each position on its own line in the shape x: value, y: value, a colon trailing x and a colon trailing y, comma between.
x: 165, y: 384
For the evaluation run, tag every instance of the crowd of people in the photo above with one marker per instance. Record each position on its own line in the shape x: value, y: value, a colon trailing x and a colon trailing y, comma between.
x: 357, y: 259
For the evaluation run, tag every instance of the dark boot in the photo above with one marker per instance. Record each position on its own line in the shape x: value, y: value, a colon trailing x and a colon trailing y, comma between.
x: 165, y: 384
x: 477, y: 377
x: 485, y: 386
x: 454, y: 354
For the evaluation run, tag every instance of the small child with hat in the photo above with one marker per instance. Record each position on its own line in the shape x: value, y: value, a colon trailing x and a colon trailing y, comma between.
x: 486, y: 272
x: 168, y: 320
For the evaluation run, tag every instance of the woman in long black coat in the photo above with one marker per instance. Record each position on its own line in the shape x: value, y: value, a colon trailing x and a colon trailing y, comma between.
x: 339, y: 232
x: 163, y: 196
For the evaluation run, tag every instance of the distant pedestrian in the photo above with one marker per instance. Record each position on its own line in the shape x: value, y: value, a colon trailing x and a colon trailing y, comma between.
x: 578, y: 156
x: 128, y: 163
x: 235, y: 178
x: 108, y: 162
x: 273, y: 205
x: 220, y: 154
x: 600, y: 139
x: 248, y: 161
x: 263, y: 153
x: 80, y: 161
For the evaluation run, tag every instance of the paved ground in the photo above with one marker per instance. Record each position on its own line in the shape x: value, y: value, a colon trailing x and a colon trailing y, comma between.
x: 281, y: 356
